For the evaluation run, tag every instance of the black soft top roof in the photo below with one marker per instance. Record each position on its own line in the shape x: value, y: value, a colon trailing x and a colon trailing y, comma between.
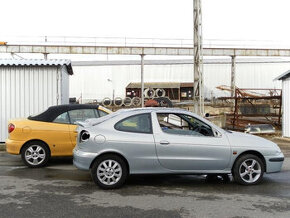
x: 54, y: 111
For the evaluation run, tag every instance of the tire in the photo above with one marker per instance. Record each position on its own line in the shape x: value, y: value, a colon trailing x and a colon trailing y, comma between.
x: 211, y: 178
x: 248, y: 170
x: 225, y: 178
x: 104, y: 176
x: 164, y: 102
x: 35, y: 154
x: 217, y: 177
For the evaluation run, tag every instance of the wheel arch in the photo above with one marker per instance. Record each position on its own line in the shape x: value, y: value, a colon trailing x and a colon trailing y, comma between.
x: 253, y: 152
x: 36, y: 140
x: 112, y: 153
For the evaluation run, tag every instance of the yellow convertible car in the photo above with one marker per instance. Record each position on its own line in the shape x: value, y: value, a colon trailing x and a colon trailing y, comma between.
x: 51, y: 133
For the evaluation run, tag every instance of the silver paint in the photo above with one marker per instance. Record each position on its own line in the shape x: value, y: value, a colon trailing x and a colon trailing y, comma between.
x: 164, y: 153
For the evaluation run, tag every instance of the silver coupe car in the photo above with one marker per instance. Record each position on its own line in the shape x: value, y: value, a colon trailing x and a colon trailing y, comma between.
x: 169, y: 141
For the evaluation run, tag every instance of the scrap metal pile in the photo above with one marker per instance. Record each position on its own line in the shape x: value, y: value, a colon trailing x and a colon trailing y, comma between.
x: 254, y: 107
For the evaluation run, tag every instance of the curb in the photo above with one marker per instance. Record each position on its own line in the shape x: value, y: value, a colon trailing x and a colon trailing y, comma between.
x: 282, y: 139
x: 2, y: 147
x: 282, y: 142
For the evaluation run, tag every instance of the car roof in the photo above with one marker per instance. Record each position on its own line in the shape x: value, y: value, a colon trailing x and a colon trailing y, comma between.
x: 156, y: 109
x: 54, y: 111
x: 129, y: 112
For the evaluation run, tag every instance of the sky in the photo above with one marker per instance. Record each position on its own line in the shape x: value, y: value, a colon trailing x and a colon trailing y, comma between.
x: 227, y: 20
x: 222, y: 19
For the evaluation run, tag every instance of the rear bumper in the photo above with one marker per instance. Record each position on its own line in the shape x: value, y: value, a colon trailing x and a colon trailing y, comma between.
x: 274, y: 163
x: 13, y: 146
x: 82, y: 159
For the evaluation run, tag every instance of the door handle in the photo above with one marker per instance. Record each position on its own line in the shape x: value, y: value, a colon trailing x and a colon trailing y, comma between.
x: 163, y: 142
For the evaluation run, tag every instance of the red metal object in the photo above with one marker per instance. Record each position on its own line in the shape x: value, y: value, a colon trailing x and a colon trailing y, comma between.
x: 151, y: 103
x: 271, y: 98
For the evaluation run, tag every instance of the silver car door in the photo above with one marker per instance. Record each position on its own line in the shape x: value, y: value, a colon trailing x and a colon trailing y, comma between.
x: 133, y: 137
x: 178, y: 151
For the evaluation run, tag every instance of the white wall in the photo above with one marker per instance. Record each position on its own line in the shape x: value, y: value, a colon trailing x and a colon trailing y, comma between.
x: 92, y: 81
x: 286, y: 107
x: 260, y: 75
x: 27, y: 90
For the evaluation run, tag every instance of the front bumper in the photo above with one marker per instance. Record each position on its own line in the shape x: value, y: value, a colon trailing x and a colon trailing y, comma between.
x: 13, y: 146
x: 274, y: 163
x: 82, y: 159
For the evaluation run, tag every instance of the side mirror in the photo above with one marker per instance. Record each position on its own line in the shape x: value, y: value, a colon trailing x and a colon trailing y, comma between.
x: 217, y: 133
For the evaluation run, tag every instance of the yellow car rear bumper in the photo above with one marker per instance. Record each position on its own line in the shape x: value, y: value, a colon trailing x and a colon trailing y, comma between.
x: 13, y: 146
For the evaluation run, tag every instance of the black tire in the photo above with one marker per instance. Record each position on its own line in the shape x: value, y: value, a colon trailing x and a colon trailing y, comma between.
x: 211, y: 177
x: 39, y: 153
x: 121, y: 167
x: 164, y: 102
x: 225, y: 178
x: 239, y: 169
x: 217, y: 177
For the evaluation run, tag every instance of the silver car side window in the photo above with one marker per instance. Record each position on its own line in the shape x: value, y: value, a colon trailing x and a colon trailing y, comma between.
x: 182, y: 124
x: 140, y: 123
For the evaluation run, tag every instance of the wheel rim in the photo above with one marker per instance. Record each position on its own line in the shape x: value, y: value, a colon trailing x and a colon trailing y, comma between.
x: 35, y: 155
x: 250, y: 171
x: 109, y: 172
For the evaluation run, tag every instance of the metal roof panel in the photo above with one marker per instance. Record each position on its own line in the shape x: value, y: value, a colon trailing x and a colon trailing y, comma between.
x: 283, y: 75
x: 38, y: 62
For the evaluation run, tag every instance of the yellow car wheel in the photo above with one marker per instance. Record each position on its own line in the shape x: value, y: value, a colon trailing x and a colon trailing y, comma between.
x: 35, y: 154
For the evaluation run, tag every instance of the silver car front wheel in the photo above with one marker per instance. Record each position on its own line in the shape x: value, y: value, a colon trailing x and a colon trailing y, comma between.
x: 248, y: 170
x: 109, y: 171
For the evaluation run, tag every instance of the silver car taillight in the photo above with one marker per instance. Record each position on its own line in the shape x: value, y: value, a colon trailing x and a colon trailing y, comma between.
x: 84, y: 136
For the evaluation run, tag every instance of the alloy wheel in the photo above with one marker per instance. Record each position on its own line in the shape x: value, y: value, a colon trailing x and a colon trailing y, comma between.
x: 109, y: 172
x: 250, y: 170
x: 35, y: 155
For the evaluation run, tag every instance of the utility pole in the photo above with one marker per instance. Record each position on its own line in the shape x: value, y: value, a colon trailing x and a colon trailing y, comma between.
x: 198, y: 99
x: 142, y: 80
x: 233, y: 76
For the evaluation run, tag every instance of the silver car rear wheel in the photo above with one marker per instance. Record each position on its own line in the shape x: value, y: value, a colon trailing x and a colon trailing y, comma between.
x: 109, y: 172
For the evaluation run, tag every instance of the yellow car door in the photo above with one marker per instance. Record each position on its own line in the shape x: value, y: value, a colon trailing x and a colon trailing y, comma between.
x: 73, y: 135
x: 60, y: 139
x: 60, y: 135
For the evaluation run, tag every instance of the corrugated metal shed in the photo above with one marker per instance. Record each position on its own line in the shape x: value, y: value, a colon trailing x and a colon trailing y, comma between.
x: 30, y: 86
x: 285, y: 77
x: 38, y: 62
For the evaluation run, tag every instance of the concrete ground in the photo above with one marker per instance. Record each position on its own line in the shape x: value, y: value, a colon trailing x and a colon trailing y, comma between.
x: 60, y: 190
